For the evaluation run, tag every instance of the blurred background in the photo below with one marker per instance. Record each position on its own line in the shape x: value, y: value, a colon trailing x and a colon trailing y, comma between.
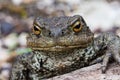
x: 16, y: 18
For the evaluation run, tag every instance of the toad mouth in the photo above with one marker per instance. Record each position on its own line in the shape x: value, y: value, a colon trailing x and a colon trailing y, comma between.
x: 57, y: 48
x: 61, y: 44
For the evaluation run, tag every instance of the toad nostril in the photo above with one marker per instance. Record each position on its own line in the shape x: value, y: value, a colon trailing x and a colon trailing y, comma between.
x: 50, y: 34
x: 62, y: 32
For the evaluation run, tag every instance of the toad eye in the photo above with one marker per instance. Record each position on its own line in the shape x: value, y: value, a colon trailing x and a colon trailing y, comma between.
x: 36, y: 30
x: 77, y: 26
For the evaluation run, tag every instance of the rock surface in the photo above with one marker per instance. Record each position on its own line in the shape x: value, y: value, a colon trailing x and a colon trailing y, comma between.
x: 92, y: 73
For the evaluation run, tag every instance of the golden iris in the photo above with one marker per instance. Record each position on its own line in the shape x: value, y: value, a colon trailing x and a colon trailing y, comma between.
x: 77, y: 26
x: 36, y: 30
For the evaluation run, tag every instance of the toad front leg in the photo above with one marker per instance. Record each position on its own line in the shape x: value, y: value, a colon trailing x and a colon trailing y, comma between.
x: 29, y: 67
x: 19, y: 70
x: 109, y: 44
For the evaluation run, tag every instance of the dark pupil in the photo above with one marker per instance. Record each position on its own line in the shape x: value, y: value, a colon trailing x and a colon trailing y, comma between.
x: 77, y: 26
x: 36, y: 29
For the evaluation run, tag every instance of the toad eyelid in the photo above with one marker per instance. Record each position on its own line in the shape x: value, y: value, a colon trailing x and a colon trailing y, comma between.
x: 73, y: 22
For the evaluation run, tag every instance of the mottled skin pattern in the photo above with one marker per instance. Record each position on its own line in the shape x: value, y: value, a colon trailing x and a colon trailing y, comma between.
x: 61, y: 45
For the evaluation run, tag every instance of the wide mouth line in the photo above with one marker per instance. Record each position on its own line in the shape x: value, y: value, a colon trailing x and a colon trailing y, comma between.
x: 61, y: 47
x: 58, y: 48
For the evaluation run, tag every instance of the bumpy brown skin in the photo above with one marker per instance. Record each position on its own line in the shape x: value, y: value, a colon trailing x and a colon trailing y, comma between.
x: 58, y: 49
